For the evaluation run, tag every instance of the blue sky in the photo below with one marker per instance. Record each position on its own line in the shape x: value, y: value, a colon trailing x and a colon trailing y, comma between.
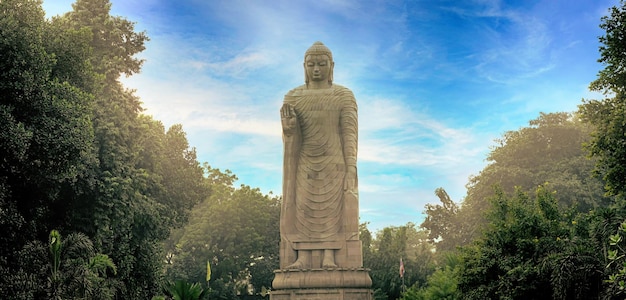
x: 436, y: 81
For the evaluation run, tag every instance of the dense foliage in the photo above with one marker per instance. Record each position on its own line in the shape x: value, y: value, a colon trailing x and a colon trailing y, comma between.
x: 531, y: 250
x: 236, y: 231
x: 383, y: 254
x: 609, y: 115
x: 445, y: 228
x: 548, y: 151
x: 78, y: 156
x: 514, y: 246
x: 608, y: 143
x: 566, y: 241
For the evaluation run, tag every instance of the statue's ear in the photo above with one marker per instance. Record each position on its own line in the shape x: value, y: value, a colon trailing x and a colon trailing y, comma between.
x: 306, y: 76
x: 332, y: 71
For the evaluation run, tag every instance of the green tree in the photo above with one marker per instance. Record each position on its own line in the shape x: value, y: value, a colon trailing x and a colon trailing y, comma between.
x: 617, y: 263
x: 46, y: 137
x: 445, y: 229
x: 78, y: 271
x: 66, y: 268
x: 383, y: 258
x: 236, y: 230
x: 145, y: 180
x: 182, y: 177
x: 114, y: 41
x: 531, y: 250
x: 549, y: 150
x: 609, y: 115
x: 182, y: 290
x: 442, y: 284
x: 76, y: 152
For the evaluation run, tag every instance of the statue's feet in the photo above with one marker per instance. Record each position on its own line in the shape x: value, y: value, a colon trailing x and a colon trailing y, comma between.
x: 299, y: 264
x: 328, y: 263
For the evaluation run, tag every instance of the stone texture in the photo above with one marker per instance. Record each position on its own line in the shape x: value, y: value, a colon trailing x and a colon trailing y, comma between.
x: 323, y: 294
x: 322, y: 278
x: 320, y: 251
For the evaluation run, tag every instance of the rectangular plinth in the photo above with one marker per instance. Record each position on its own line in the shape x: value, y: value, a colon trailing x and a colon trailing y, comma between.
x: 322, y: 294
x: 326, y: 279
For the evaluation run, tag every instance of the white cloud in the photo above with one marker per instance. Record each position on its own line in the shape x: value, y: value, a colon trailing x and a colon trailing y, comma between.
x: 237, y: 67
x: 511, y: 44
x: 217, y: 107
x: 393, y: 133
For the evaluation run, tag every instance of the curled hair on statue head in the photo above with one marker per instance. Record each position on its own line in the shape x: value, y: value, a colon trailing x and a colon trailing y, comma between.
x: 318, y: 48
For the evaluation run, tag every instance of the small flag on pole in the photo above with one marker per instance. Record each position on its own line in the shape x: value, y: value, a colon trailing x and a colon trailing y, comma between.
x: 208, y: 271
x: 401, y: 268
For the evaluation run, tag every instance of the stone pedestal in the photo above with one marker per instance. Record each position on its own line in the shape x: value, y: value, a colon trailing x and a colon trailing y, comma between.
x: 322, y: 284
x: 322, y: 294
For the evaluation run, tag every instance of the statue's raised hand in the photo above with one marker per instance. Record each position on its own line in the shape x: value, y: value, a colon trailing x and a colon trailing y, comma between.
x: 288, y: 119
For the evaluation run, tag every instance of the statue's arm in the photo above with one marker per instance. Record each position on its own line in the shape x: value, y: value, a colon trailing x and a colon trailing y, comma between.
x: 291, y: 140
x: 350, y: 136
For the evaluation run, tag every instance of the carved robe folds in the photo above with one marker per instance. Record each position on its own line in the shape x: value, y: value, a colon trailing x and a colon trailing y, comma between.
x: 317, y: 212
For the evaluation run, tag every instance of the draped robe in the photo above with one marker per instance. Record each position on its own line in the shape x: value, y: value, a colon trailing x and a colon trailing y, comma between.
x: 317, y: 155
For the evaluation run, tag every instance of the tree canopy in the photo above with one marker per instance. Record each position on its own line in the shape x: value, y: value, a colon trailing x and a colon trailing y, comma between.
x: 77, y: 154
x: 540, y: 224
x: 550, y: 150
x: 608, y: 115
x: 236, y: 231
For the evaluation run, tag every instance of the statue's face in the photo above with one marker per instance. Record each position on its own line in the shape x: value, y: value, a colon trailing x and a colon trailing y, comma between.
x: 318, y: 67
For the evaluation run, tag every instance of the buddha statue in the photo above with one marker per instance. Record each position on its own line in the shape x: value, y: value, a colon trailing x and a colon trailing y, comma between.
x: 320, y: 186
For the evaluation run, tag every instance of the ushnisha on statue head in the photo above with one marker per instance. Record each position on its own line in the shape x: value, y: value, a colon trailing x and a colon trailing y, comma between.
x: 318, y: 65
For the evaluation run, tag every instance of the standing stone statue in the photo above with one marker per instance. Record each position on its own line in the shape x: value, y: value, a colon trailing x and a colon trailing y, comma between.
x: 319, y: 215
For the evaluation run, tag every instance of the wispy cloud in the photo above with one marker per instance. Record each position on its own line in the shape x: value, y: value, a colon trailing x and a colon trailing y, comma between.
x: 237, y: 67
x: 513, y: 43
x: 394, y: 133
x: 218, y: 107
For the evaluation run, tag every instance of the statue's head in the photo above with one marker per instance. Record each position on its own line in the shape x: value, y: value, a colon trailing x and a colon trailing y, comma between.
x: 318, y: 63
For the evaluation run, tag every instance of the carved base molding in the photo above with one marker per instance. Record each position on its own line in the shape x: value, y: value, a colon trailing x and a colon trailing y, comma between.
x: 322, y: 284
x: 322, y: 294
